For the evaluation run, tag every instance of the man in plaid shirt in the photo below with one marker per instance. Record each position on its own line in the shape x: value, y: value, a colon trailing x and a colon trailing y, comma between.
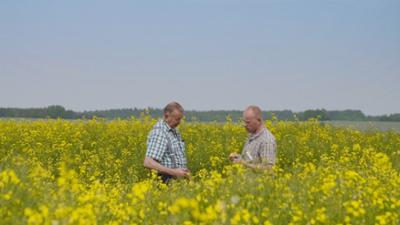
x: 165, y: 148
x: 259, y: 151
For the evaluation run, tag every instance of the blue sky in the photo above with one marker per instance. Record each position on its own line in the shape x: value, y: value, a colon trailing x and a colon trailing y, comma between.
x: 278, y: 54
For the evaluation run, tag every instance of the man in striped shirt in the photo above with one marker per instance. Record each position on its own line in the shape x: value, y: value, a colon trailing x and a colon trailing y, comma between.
x: 259, y: 151
x: 165, y: 148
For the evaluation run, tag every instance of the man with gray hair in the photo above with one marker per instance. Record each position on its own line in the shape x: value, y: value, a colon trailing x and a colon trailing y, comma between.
x: 165, y: 148
x: 259, y: 151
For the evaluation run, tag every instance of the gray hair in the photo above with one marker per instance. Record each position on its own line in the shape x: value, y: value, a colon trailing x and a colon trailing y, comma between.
x: 256, y: 111
x: 173, y: 106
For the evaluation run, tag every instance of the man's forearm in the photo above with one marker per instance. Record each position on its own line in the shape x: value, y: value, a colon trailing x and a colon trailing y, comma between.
x: 152, y: 164
x: 256, y: 166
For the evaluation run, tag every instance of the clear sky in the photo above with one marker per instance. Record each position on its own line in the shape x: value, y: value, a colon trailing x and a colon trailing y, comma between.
x: 206, y: 54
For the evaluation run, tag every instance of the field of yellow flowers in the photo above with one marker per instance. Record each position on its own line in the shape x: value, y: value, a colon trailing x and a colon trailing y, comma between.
x: 59, y: 172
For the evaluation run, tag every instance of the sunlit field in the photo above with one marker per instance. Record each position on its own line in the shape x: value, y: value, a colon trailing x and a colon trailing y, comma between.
x: 91, y: 172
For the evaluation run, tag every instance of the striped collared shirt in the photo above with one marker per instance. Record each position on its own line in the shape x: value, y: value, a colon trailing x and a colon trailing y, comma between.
x: 260, y: 148
x: 165, y: 145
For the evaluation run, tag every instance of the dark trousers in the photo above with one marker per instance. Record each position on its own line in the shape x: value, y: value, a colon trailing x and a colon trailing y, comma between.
x: 165, y: 178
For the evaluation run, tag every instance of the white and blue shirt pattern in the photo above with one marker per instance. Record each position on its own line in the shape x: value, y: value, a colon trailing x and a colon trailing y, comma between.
x: 165, y: 145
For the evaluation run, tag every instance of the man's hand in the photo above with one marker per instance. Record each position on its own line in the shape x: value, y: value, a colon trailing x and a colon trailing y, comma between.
x: 234, y: 157
x: 181, y: 173
x: 178, y: 172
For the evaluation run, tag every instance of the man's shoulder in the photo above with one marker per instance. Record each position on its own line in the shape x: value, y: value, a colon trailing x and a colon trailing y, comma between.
x: 160, y: 125
x: 267, y: 136
x: 159, y: 129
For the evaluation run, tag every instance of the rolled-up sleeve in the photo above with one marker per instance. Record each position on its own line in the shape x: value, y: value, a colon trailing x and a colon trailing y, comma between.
x: 156, y: 144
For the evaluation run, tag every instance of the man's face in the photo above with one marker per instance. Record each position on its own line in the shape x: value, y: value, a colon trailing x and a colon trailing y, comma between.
x: 173, y: 119
x: 251, y: 123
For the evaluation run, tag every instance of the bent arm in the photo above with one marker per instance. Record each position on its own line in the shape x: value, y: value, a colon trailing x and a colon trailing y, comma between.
x: 150, y: 163
x: 257, y: 166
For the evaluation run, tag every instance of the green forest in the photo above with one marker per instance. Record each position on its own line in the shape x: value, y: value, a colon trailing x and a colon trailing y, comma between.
x: 57, y: 111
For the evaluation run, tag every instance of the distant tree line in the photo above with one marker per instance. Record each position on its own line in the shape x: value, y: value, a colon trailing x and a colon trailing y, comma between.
x: 57, y: 111
x: 54, y: 111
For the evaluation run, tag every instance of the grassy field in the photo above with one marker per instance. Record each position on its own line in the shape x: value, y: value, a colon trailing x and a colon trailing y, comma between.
x: 91, y: 172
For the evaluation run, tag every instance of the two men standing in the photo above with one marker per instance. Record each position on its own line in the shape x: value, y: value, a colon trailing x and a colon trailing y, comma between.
x: 166, y: 149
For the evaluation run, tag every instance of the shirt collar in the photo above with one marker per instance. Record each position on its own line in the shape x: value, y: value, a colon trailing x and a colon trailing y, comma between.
x: 167, y: 126
x: 256, y: 135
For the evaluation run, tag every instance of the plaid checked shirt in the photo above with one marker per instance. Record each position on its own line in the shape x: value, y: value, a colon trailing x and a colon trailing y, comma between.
x: 260, y: 148
x: 165, y: 145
